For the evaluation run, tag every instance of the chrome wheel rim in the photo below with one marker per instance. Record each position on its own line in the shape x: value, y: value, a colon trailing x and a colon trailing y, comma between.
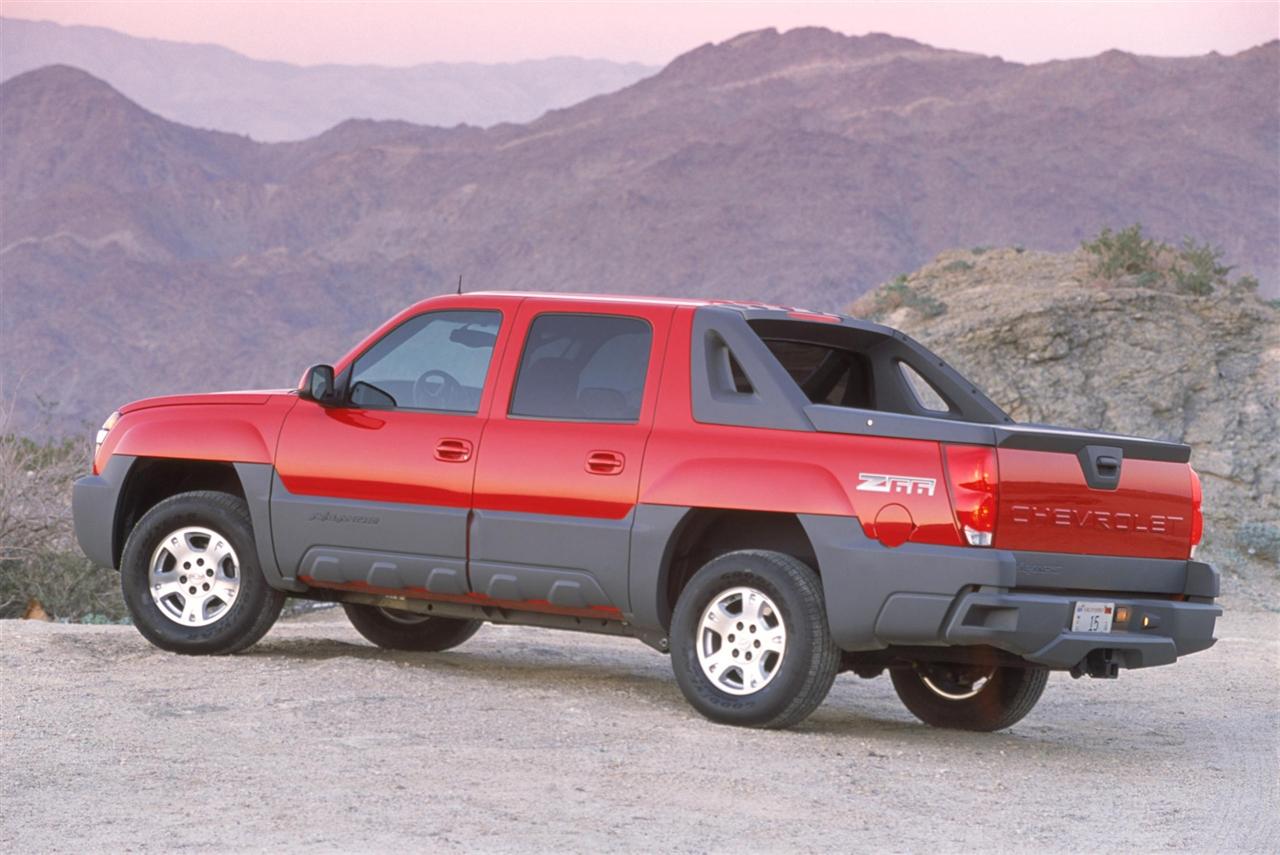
x: 953, y: 689
x: 194, y: 576
x: 741, y: 641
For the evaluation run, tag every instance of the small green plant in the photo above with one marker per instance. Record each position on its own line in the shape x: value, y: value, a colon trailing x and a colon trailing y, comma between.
x: 899, y: 293
x: 1199, y: 268
x: 957, y: 266
x: 1126, y: 252
x: 979, y: 250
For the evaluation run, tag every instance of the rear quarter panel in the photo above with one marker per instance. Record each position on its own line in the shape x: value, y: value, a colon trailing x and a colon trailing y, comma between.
x: 796, y: 472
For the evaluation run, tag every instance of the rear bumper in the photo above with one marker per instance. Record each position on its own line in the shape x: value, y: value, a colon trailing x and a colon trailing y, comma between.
x: 1019, y: 602
x: 1037, y: 627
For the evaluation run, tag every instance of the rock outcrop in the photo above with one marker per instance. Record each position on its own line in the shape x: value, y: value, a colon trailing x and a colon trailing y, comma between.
x: 1052, y: 344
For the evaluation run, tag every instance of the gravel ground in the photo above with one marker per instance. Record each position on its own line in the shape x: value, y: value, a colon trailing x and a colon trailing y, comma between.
x: 527, y: 739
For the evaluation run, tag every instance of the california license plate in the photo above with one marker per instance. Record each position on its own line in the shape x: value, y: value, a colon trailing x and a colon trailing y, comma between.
x: 1093, y: 617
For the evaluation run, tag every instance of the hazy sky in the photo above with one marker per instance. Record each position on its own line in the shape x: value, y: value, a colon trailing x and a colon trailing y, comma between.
x: 404, y: 33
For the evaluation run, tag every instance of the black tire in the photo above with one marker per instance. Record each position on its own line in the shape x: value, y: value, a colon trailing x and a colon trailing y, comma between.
x: 1006, y: 697
x: 401, y: 630
x: 256, y: 605
x: 808, y: 665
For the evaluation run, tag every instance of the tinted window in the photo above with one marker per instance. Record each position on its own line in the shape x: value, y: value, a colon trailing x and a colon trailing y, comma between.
x: 925, y: 395
x: 583, y: 367
x: 827, y: 375
x: 435, y: 361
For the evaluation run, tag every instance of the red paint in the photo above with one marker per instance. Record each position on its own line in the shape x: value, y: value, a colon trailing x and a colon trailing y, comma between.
x: 1046, y: 505
x: 540, y: 466
x: 798, y: 472
x: 893, y: 525
x: 1031, y: 500
x: 234, y: 428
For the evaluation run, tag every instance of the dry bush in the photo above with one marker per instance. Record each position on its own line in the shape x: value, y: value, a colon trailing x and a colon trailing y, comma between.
x: 39, y: 558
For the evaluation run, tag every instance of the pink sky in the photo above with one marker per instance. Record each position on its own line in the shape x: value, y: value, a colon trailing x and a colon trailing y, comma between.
x: 405, y: 33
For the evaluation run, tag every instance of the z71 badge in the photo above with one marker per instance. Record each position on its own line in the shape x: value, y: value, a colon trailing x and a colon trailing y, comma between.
x: 873, y: 483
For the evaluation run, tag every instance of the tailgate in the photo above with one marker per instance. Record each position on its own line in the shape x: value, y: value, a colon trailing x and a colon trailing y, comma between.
x: 1076, y: 492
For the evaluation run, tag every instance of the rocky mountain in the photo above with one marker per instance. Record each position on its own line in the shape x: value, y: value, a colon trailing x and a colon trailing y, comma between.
x: 1054, y: 344
x: 208, y: 86
x: 139, y: 256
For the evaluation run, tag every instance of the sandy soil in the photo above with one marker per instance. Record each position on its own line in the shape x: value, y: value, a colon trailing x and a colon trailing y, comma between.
x: 528, y: 739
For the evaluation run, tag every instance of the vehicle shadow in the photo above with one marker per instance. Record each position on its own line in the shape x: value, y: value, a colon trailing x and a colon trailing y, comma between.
x: 538, y: 666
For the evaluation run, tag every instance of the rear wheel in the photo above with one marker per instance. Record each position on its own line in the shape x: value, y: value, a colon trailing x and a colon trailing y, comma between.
x: 190, y: 576
x: 395, y: 629
x: 749, y: 640
x: 969, y: 697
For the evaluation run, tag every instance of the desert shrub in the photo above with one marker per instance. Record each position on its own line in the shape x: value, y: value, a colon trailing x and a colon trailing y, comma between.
x: 1248, y: 283
x: 900, y: 293
x: 65, y: 584
x: 39, y: 558
x: 1199, y: 268
x: 1126, y: 252
x: 957, y: 266
x: 1259, y: 540
x: 980, y: 250
x: 1194, y: 267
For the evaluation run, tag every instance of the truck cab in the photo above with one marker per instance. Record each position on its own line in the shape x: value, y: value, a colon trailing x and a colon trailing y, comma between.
x: 771, y: 496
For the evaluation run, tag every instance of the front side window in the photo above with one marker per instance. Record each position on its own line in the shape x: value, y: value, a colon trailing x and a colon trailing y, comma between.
x: 583, y: 368
x: 434, y: 361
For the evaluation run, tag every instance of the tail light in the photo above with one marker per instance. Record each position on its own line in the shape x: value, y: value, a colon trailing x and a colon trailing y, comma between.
x: 1197, y: 515
x: 974, y: 479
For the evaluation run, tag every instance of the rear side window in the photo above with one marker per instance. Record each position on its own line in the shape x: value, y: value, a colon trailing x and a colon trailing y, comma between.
x: 583, y: 368
x: 826, y: 375
x: 926, y: 396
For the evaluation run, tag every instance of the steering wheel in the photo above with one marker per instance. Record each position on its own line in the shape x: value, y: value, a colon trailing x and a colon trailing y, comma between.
x: 434, y: 388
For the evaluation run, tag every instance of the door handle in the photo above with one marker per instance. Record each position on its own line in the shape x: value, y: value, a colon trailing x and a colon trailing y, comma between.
x: 605, y: 462
x: 453, y: 450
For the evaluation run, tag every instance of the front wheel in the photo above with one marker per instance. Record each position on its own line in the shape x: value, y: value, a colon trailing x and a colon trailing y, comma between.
x: 750, y: 643
x: 396, y: 629
x: 190, y: 576
x: 969, y: 697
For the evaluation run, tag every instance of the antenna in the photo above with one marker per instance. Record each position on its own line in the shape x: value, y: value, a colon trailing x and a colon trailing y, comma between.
x: 459, y: 283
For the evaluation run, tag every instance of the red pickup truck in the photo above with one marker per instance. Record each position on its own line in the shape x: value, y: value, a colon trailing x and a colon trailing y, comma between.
x: 771, y: 495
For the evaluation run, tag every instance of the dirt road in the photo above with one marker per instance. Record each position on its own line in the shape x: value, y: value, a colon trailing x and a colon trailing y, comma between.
x: 532, y: 740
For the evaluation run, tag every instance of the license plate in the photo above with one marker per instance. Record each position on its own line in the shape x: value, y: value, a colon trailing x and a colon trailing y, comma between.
x: 1093, y: 617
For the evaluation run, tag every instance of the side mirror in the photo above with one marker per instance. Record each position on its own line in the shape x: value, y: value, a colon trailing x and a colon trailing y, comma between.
x: 317, y: 385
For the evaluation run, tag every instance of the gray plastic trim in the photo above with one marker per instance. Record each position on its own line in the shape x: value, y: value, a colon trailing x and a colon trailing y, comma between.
x: 860, y: 575
x: 390, y: 571
x: 1059, y: 570
x: 1037, y: 627
x: 877, y: 596
x: 775, y: 402
x: 653, y: 537
x: 256, y: 480
x: 94, y: 501
x: 573, y: 562
x: 301, y: 523
x: 832, y: 419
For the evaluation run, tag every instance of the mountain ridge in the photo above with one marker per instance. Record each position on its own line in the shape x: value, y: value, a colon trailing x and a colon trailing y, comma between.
x: 211, y: 86
x: 778, y: 167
